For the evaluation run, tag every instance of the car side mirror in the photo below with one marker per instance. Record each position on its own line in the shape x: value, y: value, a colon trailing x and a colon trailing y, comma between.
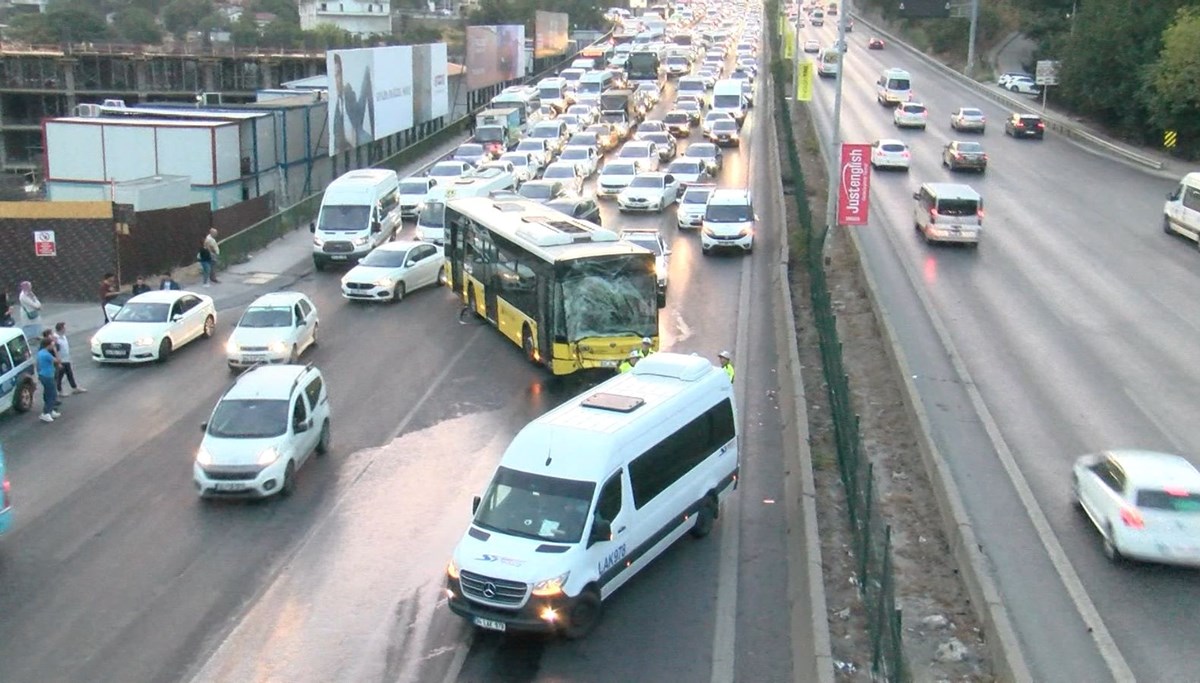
x: 300, y: 426
x: 177, y: 317
x: 312, y: 227
x: 376, y: 226
x: 666, y: 252
x: 204, y: 426
x: 916, y: 195
x: 475, y: 504
x: 1172, y: 196
x: 601, y: 531
x: 299, y: 322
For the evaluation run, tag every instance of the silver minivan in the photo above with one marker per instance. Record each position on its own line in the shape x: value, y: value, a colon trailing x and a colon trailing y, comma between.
x: 948, y: 212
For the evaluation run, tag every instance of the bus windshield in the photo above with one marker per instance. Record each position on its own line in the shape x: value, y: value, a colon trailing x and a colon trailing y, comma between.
x: 608, y: 297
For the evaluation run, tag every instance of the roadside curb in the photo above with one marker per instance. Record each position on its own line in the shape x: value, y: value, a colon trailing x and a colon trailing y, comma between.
x: 1008, y: 660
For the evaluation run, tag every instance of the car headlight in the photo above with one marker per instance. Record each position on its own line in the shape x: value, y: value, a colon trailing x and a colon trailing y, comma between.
x: 361, y: 241
x: 203, y: 457
x: 95, y: 342
x: 277, y: 347
x: 268, y: 456
x: 231, y: 346
x: 452, y: 570
x: 318, y: 242
x: 144, y: 341
x: 385, y: 282
x: 551, y: 586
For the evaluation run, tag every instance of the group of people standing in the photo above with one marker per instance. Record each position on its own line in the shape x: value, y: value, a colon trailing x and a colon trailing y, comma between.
x: 647, y: 348
x: 54, y: 365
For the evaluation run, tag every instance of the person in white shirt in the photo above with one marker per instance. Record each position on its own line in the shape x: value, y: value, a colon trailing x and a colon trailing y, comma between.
x: 64, y: 360
x: 30, y: 311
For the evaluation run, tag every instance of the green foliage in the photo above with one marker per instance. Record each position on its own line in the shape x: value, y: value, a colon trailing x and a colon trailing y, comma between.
x: 419, y: 34
x: 181, y: 16
x: 282, y: 33
x: 952, y: 35
x: 1174, y: 81
x: 31, y: 27
x: 330, y: 37
x: 583, y: 14
x: 75, y: 21
x: 136, y: 25
x: 288, y: 10
x: 244, y: 32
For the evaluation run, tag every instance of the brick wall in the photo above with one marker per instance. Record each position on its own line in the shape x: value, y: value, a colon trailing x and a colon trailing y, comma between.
x: 85, y: 245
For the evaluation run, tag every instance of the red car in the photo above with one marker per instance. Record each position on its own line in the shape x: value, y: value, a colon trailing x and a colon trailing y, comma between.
x: 875, y: 44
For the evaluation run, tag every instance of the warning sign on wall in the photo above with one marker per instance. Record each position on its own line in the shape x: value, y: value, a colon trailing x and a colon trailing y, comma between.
x: 44, y: 244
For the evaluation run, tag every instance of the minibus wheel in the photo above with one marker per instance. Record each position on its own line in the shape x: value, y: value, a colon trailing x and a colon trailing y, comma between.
x: 584, y: 614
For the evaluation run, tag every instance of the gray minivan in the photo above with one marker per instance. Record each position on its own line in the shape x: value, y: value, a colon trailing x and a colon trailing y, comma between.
x: 948, y: 212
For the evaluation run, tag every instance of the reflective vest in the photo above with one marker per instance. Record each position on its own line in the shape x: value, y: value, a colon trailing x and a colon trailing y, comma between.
x: 625, y: 366
x: 645, y: 351
x: 728, y: 368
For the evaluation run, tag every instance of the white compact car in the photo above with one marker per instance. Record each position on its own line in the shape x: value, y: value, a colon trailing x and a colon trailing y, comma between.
x: 728, y: 221
x: 275, y: 328
x: 566, y: 172
x: 525, y: 165
x: 1024, y: 85
x: 712, y: 117
x: 642, y: 152
x: 444, y: 171
x: 152, y: 325
x: 585, y: 159
x: 690, y: 213
x: 689, y: 171
x: 1146, y: 505
x: 889, y: 154
x: 413, y: 192
x: 649, y: 238
x: 538, y: 149
x: 615, y: 177
x: 652, y: 191
x: 394, y: 270
x: 263, y: 429
x: 910, y: 115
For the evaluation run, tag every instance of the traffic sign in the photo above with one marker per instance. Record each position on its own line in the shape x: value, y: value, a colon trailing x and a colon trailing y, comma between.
x: 1169, y: 139
x: 1046, y: 73
x: 44, y: 244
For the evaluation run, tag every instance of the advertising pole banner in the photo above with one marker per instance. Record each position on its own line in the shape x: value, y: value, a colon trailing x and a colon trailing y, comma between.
x: 495, y: 54
x: 854, y: 186
x: 550, y: 34
x: 370, y: 95
x: 431, y: 88
x: 804, y: 81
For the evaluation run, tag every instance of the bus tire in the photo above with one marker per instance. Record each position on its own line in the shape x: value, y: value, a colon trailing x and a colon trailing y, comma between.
x: 527, y: 345
x: 471, y: 300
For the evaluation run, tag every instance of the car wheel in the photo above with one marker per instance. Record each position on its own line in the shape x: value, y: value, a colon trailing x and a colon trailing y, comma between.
x: 319, y: 265
x: 398, y: 293
x: 1167, y: 226
x: 527, y: 345
x: 584, y: 614
x: 22, y: 400
x: 1111, y: 551
x: 164, y: 350
x: 471, y: 301
x: 295, y: 354
x: 289, y: 480
x: 316, y: 328
x: 1012, y: 88
x: 441, y: 277
x: 706, y: 516
x: 210, y: 326
x: 323, y: 442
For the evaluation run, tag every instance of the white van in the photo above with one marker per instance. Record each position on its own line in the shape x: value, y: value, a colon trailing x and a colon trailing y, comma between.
x: 553, y: 91
x: 594, y: 83
x: 893, y: 87
x: 728, y: 98
x: 948, y: 212
x: 1181, y: 213
x: 360, y: 211
x: 479, y: 185
x: 728, y: 221
x: 590, y: 493
x: 827, y: 62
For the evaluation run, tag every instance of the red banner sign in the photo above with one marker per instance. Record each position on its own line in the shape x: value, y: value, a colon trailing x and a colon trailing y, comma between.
x: 854, y: 188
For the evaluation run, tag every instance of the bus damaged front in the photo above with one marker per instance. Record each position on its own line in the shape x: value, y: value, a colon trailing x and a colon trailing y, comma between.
x: 602, y: 309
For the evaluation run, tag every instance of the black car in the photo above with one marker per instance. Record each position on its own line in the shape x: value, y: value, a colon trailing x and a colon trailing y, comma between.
x: 583, y: 208
x: 1026, y: 126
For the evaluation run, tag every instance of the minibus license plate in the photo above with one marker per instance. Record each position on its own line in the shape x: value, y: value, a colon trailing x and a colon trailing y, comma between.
x: 490, y: 624
x: 339, y: 257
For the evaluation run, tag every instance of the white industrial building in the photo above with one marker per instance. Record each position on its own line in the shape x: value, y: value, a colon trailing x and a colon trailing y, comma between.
x: 360, y: 17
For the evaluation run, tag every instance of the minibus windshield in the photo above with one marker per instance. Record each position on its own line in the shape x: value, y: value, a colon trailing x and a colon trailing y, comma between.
x: 535, y: 506
x: 345, y: 217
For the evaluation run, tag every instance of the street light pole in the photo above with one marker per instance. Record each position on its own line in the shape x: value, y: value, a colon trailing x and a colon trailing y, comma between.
x: 835, y: 133
x: 971, y: 38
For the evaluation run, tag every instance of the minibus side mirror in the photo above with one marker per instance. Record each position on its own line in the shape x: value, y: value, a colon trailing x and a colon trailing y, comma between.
x: 916, y: 195
x: 312, y: 227
x: 601, y: 531
x: 376, y: 226
x: 475, y: 505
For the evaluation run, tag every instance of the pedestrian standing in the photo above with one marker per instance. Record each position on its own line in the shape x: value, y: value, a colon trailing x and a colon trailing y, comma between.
x: 140, y: 286
x: 627, y: 364
x: 30, y: 311
x: 726, y: 364
x: 647, y: 347
x: 168, y: 282
x: 108, y: 292
x: 64, y: 362
x: 47, y: 366
x: 207, y: 256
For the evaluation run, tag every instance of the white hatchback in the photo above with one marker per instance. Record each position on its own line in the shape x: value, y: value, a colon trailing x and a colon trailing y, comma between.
x: 566, y: 172
x: 1146, y: 505
x: 690, y: 213
x: 889, y: 154
x: 152, y: 325
x: 910, y: 115
x: 615, y: 177
x: 275, y: 328
x: 641, y: 152
x: 394, y: 270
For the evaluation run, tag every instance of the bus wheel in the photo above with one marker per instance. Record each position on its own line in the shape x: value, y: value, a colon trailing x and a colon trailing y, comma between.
x: 471, y: 300
x: 527, y: 346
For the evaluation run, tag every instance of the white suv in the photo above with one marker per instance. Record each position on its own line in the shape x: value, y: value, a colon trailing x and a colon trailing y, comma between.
x: 263, y: 429
x: 728, y: 221
x: 276, y: 328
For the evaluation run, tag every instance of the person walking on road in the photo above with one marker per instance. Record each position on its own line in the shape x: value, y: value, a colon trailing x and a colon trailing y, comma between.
x: 647, y: 347
x: 30, y: 311
x: 47, y: 366
x: 64, y: 362
x: 726, y: 364
x: 108, y: 292
x: 627, y: 364
x: 207, y: 256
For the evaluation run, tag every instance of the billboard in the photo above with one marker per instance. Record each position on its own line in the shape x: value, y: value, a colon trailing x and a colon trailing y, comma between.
x: 550, y: 34
x: 370, y: 94
x: 494, y: 54
x: 854, y: 188
x: 431, y: 86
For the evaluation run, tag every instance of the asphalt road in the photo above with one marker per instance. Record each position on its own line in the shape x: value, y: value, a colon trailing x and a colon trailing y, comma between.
x: 115, y: 572
x: 1076, y: 320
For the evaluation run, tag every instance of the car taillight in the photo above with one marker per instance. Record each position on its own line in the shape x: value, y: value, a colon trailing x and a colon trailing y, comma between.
x: 904, y: 154
x: 4, y: 501
x: 933, y: 214
x: 1132, y: 518
x: 979, y: 214
x: 1041, y: 125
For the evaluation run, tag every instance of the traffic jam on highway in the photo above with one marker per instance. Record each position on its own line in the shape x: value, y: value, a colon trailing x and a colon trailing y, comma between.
x: 511, y: 223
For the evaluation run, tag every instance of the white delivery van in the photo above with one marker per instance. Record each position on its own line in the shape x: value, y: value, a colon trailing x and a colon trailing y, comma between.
x: 1181, y: 213
x: 590, y: 493
x: 728, y: 221
x: 893, y: 87
x: 483, y: 183
x: 553, y: 91
x: 727, y: 97
x: 948, y: 212
x: 360, y: 211
x: 827, y: 62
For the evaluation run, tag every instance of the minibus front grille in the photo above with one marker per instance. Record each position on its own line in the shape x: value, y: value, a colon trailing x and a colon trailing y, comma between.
x: 488, y: 589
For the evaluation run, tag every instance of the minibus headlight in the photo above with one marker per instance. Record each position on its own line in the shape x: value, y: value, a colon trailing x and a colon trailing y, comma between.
x: 452, y: 570
x: 552, y: 586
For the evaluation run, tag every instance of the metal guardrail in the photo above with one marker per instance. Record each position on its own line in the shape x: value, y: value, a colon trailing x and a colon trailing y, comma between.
x: 1055, y: 122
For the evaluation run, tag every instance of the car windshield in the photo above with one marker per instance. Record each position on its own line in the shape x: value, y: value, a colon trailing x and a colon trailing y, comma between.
x: 677, y: 117
x: 1030, y: 120
x: 267, y: 316
x: 723, y: 126
x: 433, y: 215
x: 340, y: 217
x: 614, y: 296
x: 530, y: 146
x: 445, y: 170
x: 249, y: 419
x: 634, y: 152
x: 893, y: 147
x: 572, y: 153
x: 583, y: 139
x: 696, y: 196
x: 535, y: 506
x: 556, y: 171
x: 1168, y: 498
x: 544, y: 132
x: 644, y: 241
x: 701, y: 151
x: 537, y: 190
x: 470, y: 150
x: 385, y: 258
x: 972, y: 113
x: 143, y: 312
x: 957, y: 207
x: 972, y: 147
x: 727, y: 213
x: 685, y: 167
x: 414, y: 187
x: 914, y: 109
x: 661, y: 138
x: 619, y: 169
x: 647, y: 181
x: 516, y: 159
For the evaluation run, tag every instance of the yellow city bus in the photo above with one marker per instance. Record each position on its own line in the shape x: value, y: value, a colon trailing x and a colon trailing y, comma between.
x: 568, y: 292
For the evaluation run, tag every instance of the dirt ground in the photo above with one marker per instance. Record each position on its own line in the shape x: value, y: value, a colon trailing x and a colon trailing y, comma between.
x: 942, y: 639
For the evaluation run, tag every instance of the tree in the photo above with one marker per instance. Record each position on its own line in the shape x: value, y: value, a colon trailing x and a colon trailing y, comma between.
x: 244, y: 32
x: 327, y: 36
x: 282, y: 33
x: 136, y: 25
x: 1173, y: 92
x: 32, y: 27
x: 182, y: 16
x: 287, y: 10
x: 75, y: 22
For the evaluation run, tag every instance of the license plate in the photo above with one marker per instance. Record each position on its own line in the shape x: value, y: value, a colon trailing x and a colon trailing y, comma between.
x: 608, y: 363
x: 490, y: 624
x: 339, y: 257
x: 254, y: 358
x: 114, y: 354
x: 229, y: 486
